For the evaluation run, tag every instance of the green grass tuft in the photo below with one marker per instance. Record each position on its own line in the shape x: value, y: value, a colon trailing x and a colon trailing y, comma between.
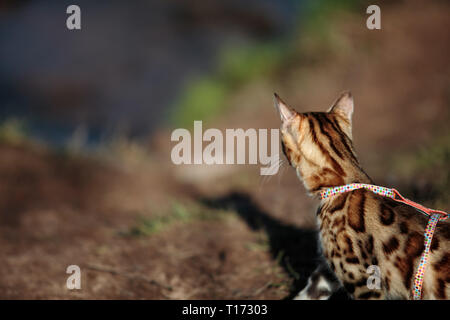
x: 200, y: 100
x: 13, y: 131
x: 179, y: 213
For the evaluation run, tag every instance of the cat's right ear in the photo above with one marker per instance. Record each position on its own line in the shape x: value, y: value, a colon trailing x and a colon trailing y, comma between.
x: 344, y: 106
x: 286, y: 113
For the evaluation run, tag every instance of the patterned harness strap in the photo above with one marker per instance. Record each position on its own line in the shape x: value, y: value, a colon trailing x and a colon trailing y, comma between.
x: 435, y: 217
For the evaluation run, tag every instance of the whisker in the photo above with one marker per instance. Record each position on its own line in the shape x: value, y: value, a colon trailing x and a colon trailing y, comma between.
x: 283, y: 170
x: 271, y: 170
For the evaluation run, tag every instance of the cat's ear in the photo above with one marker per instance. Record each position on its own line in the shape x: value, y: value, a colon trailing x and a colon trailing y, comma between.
x: 286, y: 112
x: 344, y: 106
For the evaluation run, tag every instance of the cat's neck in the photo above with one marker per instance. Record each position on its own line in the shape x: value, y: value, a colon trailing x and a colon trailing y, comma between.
x: 328, y: 178
x: 358, y: 176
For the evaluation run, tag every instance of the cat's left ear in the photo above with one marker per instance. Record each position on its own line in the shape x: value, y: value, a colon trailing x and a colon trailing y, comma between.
x: 344, y: 106
x: 286, y: 112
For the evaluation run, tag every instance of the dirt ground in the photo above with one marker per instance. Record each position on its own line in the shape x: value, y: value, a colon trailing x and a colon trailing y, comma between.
x: 146, y: 229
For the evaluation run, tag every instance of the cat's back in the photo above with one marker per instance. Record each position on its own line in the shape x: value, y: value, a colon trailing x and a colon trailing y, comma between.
x: 399, y: 238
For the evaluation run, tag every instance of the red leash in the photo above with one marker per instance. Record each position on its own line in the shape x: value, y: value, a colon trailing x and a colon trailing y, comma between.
x: 399, y: 198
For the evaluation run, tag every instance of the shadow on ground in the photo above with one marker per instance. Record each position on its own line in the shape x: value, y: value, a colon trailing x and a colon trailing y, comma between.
x: 295, y: 249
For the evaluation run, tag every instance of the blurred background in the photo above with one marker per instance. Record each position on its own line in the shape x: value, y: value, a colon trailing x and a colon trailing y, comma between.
x: 86, y: 118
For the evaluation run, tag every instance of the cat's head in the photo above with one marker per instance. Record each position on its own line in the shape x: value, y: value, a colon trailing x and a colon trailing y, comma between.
x: 319, y: 144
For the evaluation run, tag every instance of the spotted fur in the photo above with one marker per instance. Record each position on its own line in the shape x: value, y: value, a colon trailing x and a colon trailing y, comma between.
x: 359, y: 228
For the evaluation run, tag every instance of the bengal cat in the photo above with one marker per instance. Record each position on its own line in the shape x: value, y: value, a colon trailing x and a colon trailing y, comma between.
x: 358, y: 229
